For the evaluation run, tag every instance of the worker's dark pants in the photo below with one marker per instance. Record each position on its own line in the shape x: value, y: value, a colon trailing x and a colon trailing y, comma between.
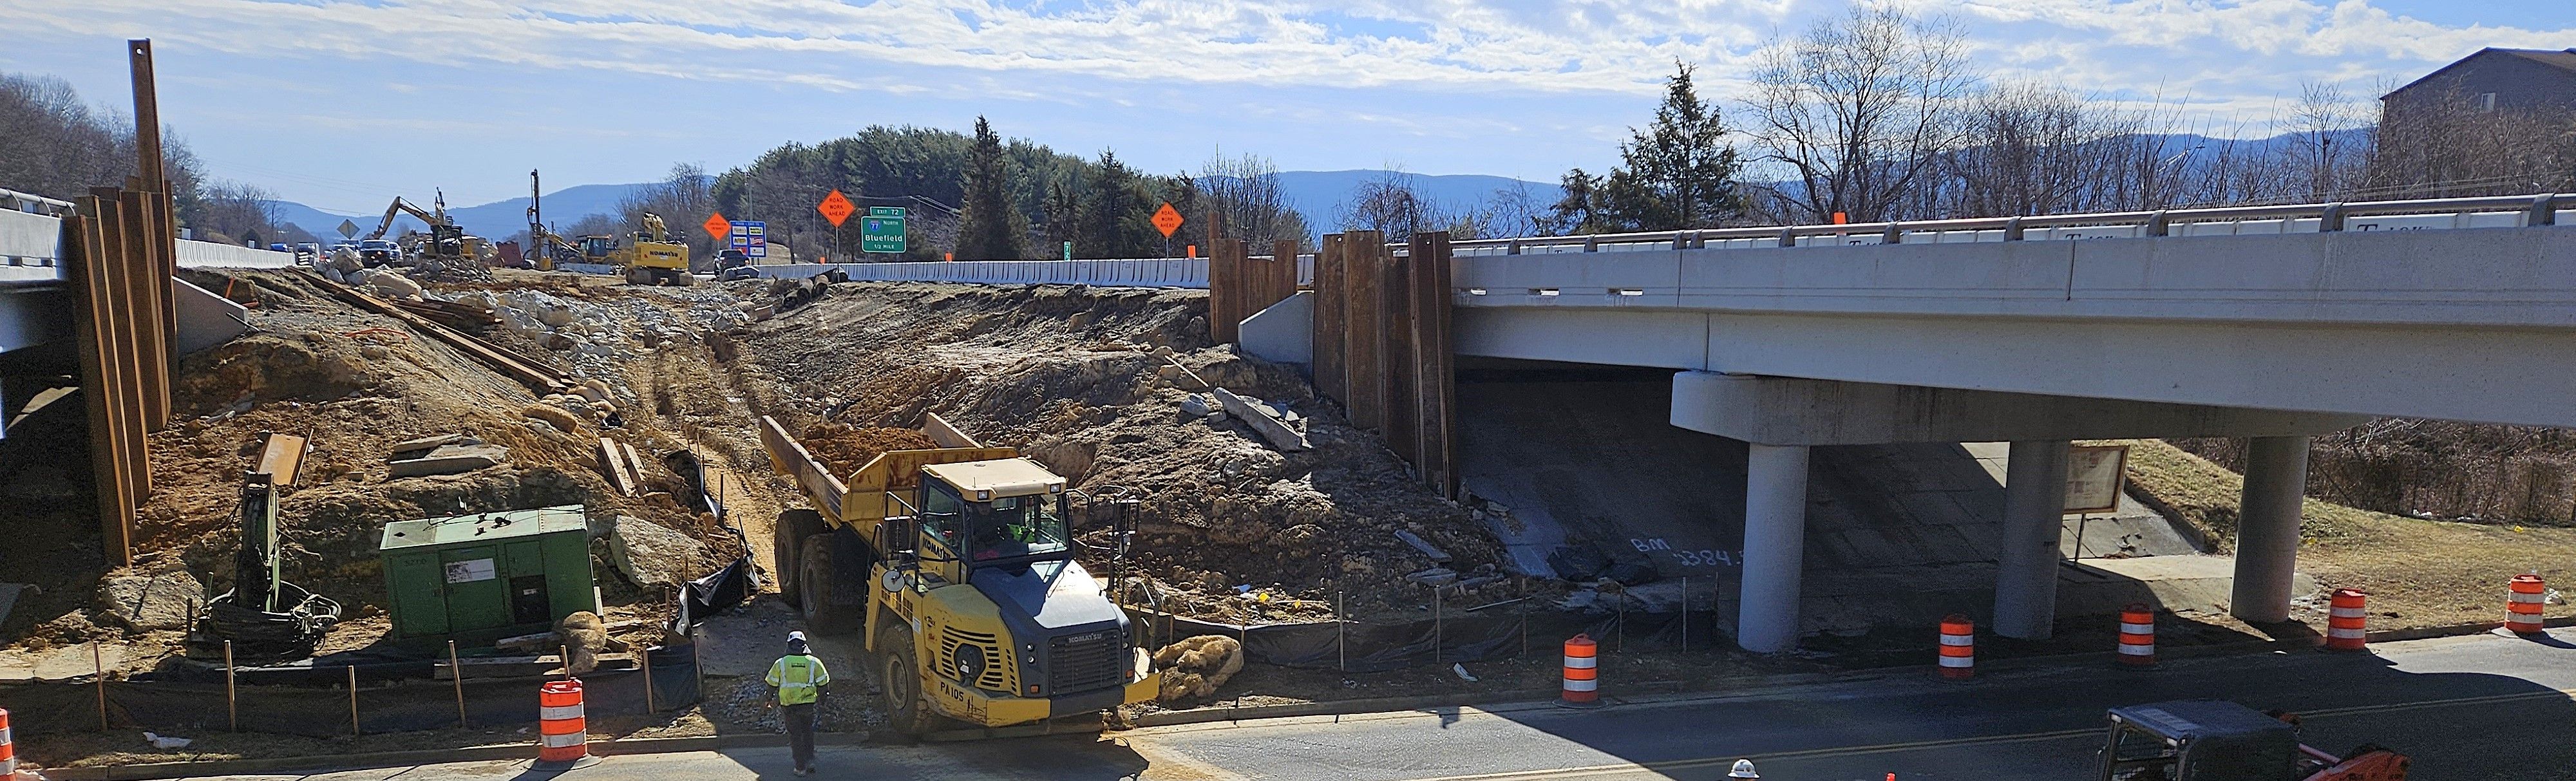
x: 800, y: 732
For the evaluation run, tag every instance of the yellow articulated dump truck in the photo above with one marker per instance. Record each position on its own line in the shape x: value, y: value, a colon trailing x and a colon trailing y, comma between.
x: 957, y: 564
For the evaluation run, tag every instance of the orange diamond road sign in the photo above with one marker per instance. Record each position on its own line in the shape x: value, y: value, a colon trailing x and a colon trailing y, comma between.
x: 1167, y: 219
x: 717, y: 226
x: 836, y: 207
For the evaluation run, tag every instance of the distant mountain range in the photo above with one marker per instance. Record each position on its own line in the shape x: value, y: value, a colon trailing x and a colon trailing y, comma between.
x: 1316, y: 194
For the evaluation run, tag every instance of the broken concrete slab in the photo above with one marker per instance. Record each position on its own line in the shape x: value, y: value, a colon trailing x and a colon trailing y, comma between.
x: 448, y: 460
x: 425, y: 444
x: 1425, y: 546
x: 148, y: 602
x: 1258, y: 416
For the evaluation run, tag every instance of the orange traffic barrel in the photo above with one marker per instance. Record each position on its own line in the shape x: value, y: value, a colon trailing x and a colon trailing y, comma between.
x: 2138, y: 635
x: 2347, y: 620
x: 561, y: 733
x: 1958, y: 647
x: 2528, y: 593
x: 8, y: 749
x: 1582, y: 672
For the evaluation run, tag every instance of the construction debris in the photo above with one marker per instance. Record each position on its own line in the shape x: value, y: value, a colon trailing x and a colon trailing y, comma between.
x: 1427, y: 549
x: 1263, y: 420
x: 447, y: 460
x: 1193, y: 668
x: 655, y: 557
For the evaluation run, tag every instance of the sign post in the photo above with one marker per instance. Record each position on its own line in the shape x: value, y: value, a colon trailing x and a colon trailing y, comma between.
x: 837, y: 208
x: 1167, y: 219
x: 882, y: 230
x: 2094, y: 476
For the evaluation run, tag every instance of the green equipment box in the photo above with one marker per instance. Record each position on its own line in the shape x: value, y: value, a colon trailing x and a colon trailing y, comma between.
x: 479, y: 578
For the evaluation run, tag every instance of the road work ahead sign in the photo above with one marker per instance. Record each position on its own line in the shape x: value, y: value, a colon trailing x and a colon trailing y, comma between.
x: 882, y: 230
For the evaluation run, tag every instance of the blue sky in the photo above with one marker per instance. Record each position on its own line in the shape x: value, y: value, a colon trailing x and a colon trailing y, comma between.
x: 342, y: 103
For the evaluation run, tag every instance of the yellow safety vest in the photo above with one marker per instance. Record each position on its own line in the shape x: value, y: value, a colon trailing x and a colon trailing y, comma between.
x: 798, y: 678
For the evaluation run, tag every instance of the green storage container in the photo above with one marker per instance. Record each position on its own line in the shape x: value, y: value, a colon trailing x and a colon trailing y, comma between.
x: 479, y: 578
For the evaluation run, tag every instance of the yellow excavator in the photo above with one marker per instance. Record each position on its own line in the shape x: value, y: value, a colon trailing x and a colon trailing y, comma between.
x: 956, y: 563
x: 446, y: 241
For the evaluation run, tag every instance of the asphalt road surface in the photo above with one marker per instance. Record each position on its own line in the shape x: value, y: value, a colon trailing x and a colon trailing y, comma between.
x: 2481, y: 707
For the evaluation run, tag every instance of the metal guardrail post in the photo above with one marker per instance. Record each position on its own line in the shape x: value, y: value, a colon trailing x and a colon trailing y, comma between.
x: 2544, y: 210
x: 2156, y: 225
x: 1788, y: 238
x: 2330, y: 218
x: 1895, y: 233
x: 2013, y: 229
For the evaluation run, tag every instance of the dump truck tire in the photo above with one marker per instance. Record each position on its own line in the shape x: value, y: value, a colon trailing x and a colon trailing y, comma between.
x: 787, y: 538
x: 816, y: 576
x: 906, y: 712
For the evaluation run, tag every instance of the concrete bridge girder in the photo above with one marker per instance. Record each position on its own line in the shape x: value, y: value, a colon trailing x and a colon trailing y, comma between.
x: 1783, y: 417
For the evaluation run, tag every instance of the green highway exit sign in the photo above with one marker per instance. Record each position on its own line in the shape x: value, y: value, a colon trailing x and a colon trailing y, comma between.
x: 882, y: 230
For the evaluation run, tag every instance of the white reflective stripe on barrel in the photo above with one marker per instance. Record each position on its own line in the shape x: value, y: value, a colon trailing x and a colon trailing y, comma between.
x: 1958, y: 640
x: 1958, y: 661
x: 2522, y: 597
x: 5, y: 735
x: 566, y: 740
x: 1582, y: 662
x: 1581, y: 686
x: 8, y: 767
x: 2138, y: 650
x: 554, y: 712
x: 2138, y: 629
x: 2344, y: 633
x: 2349, y: 612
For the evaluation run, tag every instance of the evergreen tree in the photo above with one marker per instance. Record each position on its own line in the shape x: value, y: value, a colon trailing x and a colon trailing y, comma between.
x: 993, y: 225
x: 1676, y: 173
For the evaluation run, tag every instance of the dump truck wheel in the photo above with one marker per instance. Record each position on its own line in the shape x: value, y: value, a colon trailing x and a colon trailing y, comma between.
x: 816, y: 576
x: 901, y: 683
x: 786, y: 539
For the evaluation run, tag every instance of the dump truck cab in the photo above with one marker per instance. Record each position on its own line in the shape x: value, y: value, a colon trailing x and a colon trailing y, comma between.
x: 957, y: 564
x: 2217, y: 740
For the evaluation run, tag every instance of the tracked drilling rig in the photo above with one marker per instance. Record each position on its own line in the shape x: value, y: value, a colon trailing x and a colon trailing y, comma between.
x: 957, y: 565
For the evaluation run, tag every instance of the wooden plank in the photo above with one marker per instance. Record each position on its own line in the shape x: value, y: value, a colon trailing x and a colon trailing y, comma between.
x: 281, y: 457
x: 1433, y: 324
x: 1364, y: 329
x: 1282, y: 273
x: 612, y: 462
x: 1331, y: 300
x: 527, y: 371
x: 1403, y: 397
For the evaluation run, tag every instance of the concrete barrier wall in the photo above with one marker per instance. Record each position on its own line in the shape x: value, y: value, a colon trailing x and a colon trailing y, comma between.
x: 206, y: 254
x: 1146, y: 272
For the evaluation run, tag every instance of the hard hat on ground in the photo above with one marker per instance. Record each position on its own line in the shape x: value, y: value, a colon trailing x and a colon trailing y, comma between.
x: 1743, y: 769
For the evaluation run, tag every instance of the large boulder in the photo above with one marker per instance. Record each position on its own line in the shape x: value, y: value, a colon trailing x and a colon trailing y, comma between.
x: 147, y: 602
x: 652, y: 556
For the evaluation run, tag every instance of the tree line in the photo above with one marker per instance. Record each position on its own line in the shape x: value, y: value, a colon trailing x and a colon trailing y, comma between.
x: 1878, y: 115
x: 977, y: 196
x: 54, y: 145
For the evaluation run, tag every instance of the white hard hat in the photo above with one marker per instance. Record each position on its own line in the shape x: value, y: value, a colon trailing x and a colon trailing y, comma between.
x: 1743, y: 769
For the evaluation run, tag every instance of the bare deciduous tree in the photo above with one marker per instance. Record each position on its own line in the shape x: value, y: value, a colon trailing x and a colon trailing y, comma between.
x: 1856, y: 111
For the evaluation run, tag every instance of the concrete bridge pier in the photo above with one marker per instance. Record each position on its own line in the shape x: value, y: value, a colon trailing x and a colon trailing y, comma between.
x: 1775, y: 543
x: 2267, y: 528
x: 2027, y: 555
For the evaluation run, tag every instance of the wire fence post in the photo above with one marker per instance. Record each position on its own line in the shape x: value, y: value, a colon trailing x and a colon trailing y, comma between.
x: 100, y: 661
x: 353, y: 698
x: 696, y: 669
x: 1525, y: 629
x: 1622, y: 631
x: 645, y: 660
x: 1685, y: 614
x: 1341, y: 634
x: 232, y: 697
x: 456, y: 673
x: 1436, y: 633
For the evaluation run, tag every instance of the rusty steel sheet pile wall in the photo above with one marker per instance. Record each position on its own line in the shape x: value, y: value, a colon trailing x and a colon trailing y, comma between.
x: 1384, y: 345
x: 120, y: 246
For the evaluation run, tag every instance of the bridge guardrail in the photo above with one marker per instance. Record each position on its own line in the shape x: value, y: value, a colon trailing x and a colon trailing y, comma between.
x: 2420, y: 214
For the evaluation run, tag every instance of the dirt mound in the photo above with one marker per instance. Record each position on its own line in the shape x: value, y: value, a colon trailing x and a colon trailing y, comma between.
x: 1229, y: 528
x: 846, y: 448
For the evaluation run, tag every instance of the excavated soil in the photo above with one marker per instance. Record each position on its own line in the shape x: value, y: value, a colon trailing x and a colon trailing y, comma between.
x: 1228, y: 527
x: 846, y: 448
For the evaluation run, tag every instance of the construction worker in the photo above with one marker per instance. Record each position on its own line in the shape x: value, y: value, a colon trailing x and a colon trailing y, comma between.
x: 1744, y: 769
x: 800, y: 679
